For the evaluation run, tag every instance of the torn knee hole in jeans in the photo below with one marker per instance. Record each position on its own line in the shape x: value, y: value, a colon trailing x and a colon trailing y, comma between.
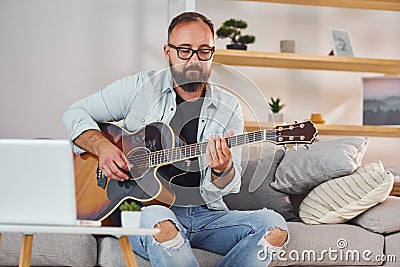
x: 175, y: 242
x: 267, y: 246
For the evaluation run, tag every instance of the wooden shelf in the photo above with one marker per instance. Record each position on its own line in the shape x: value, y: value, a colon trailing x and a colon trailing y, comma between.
x: 389, y: 5
x: 395, y: 190
x: 302, y: 61
x: 332, y: 129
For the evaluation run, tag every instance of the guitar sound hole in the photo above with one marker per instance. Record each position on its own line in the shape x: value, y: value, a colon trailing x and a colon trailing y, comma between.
x: 139, y: 158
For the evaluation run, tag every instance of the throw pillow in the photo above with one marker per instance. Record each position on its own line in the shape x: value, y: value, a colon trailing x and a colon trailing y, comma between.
x: 384, y: 218
x: 341, y: 199
x: 264, y: 196
x: 371, y: 167
x: 302, y: 170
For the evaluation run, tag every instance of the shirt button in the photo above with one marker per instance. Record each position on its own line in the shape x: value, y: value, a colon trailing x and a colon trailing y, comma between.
x: 202, y: 191
x: 172, y: 109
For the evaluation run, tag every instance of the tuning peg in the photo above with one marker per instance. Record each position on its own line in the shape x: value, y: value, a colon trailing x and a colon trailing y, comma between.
x: 284, y: 148
x: 306, y: 146
x: 284, y: 123
x: 295, y: 147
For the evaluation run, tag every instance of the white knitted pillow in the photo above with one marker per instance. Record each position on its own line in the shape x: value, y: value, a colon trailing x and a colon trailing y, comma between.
x: 341, y: 199
x: 371, y: 167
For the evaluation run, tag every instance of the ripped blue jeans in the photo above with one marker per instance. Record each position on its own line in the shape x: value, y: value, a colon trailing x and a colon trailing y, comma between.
x: 234, y: 234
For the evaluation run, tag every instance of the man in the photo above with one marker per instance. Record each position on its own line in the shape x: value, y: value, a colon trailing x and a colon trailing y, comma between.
x: 199, y: 111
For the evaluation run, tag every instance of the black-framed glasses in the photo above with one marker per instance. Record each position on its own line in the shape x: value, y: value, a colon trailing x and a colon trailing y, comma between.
x: 186, y: 53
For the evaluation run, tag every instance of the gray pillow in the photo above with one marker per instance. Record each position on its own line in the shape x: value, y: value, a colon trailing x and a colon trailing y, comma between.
x: 302, y: 170
x: 263, y: 196
x: 384, y: 218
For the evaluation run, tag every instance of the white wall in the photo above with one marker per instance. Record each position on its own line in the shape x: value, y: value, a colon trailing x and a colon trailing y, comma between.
x: 54, y: 52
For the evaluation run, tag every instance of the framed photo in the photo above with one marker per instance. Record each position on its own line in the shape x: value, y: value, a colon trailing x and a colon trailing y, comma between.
x: 381, y: 100
x: 341, y: 43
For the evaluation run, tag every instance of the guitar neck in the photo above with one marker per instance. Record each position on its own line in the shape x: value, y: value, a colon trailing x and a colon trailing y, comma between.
x: 297, y: 133
x: 199, y: 149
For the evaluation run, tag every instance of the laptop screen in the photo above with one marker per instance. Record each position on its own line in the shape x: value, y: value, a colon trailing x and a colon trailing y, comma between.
x: 37, y: 182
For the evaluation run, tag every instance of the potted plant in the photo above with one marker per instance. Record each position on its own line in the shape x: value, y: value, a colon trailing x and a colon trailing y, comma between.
x: 231, y: 29
x: 130, y: 213
x: 276, y: 106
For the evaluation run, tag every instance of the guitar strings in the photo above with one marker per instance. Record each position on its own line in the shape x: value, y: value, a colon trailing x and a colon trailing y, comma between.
x: 186, y: 151
x: 166, y: 155
x: 159, y: 157
x: 171, y: 154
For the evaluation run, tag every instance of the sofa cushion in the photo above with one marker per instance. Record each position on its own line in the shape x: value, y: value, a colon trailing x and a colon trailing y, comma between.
x: 302, y: 170
x: 341, y: 199
x: 51, y: 250
x: 330, y: 244
x: 392, y: 250
x: 263, y: 195
x: 110, y: 255
x: 384, y: 218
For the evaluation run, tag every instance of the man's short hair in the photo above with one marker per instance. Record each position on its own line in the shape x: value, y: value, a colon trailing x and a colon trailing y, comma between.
x: 189, y: 17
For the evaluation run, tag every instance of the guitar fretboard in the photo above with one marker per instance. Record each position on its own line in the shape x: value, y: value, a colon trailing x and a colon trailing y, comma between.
x: 198, y: 149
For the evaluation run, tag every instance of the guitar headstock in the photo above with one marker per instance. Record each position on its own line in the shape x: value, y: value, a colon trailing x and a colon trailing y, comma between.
x: 296, y: 133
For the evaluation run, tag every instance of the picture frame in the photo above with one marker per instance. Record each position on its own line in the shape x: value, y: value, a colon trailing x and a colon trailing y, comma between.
x: 381, y: 100
x: 341, y: 44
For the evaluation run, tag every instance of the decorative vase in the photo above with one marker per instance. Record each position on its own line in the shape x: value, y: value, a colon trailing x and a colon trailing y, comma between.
x: 130, y: 219
x: 236, y: 46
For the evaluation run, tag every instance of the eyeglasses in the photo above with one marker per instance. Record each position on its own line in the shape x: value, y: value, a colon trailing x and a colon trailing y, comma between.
x: 185, y: 53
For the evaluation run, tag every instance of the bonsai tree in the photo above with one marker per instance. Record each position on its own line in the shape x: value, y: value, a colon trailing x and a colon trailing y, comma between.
x: 276, y: 105
x: 231, y: 29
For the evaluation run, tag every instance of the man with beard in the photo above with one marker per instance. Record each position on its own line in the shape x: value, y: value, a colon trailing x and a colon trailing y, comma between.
x: 198, y: 111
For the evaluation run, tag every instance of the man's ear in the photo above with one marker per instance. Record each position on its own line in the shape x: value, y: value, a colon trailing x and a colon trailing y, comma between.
x: 166, y: 52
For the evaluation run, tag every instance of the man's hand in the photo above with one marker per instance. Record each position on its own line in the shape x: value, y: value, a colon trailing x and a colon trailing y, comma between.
x: 218, y: 153
x: 112, y: 160
x: 113, y: 163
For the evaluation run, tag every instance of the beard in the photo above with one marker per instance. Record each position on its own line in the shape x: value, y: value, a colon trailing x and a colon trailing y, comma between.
x: 192, y: 78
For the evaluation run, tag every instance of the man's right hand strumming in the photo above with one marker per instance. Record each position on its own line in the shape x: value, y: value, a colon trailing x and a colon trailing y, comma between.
x: 112, y: 160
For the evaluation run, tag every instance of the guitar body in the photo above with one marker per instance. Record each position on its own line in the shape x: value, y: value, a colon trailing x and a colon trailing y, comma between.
x: 97, y: 196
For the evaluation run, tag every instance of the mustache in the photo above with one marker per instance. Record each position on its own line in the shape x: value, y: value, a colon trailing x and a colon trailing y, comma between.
x: 193, y: 67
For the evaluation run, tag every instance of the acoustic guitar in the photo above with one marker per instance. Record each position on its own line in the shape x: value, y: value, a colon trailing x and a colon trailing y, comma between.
x: 150, y: 149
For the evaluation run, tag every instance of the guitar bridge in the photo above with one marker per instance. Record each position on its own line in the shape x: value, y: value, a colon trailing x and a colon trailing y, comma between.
x: 101, y: 178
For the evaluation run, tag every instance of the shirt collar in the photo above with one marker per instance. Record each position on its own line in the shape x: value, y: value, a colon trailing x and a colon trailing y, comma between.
x: 167, y: 83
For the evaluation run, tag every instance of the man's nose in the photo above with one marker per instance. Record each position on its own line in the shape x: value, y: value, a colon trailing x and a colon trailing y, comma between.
x: 195, y: 57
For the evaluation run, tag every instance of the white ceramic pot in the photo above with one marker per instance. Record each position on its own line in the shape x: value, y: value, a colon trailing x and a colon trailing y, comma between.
x: 130, y: 219
x: 276, y: 117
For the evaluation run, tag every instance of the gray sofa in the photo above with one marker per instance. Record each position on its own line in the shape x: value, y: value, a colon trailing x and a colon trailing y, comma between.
x: 374, y: 233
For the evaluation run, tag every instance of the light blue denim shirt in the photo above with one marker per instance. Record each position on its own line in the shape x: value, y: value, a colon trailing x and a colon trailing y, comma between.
x: 146, y: 97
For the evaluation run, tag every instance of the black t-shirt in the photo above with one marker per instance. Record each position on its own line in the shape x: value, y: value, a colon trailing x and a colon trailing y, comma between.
x: 185, y: 124
x: 184, y: 182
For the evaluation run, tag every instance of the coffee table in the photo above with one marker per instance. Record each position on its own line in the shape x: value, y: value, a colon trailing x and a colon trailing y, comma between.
x: 120, y: 232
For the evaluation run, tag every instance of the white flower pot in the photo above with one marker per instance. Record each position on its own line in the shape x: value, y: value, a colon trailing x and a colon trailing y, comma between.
x: 276, y: 117
x: 130, y: 219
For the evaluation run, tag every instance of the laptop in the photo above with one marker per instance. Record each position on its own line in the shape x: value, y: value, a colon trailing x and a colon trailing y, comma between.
x: 37, y: 183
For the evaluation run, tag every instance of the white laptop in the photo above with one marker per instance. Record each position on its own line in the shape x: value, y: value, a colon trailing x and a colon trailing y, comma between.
x: 37, y: 183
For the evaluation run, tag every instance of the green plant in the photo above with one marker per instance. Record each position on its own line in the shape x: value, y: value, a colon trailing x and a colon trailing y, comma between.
x: 231, y: 29
x: 275, y: 105
x: 130, y: 205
